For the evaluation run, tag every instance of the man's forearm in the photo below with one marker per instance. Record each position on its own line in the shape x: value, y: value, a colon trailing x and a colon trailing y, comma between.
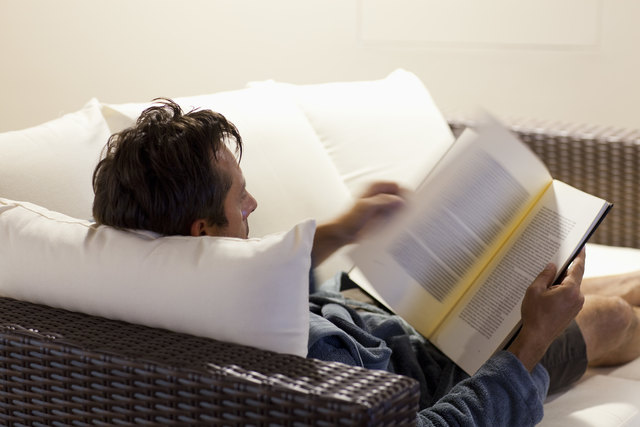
x: 501, y: 393
x: 328, y: 239
x: 528, y: 348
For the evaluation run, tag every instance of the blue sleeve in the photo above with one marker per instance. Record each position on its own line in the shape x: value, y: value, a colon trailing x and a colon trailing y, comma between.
x: 501, y: 393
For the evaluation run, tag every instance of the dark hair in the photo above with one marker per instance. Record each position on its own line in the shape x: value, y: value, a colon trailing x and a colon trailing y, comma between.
x: 158, y: 174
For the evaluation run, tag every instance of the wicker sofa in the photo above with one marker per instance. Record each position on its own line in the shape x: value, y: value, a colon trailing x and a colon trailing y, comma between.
x: 65, y: 368
x: 61, y: 367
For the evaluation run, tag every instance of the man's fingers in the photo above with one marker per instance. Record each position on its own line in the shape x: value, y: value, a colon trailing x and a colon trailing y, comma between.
x: 379, y: 206
x: 577, y: 266
x: 382, y: 187
x: 569, y: 288
x: 387, y: 201
x: 545, y: 278
x: 573, y: 276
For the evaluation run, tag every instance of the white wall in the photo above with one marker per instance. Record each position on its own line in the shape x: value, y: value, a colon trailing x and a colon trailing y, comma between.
x: 568, y: 60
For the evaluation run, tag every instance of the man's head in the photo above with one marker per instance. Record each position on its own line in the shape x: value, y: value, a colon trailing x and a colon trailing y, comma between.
x: 173, y: 173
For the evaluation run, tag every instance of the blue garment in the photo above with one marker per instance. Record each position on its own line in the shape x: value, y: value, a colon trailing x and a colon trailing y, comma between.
x: 501, y: 393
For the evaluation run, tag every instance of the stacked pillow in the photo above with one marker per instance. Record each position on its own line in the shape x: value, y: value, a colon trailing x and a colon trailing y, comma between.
x: 51, y: 164
x: 389, y: 129
x: 308, y: 151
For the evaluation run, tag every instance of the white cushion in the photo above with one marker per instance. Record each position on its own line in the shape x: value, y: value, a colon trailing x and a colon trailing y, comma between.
x: 602, y: 401
x: 52, y: 164
x: 388, y: 129
x: 251, y: 292
x: 603, y: 260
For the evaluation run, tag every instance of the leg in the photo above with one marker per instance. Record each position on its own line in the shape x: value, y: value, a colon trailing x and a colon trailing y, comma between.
x: 611, y: 331
x: 625, y: 286
x: 566, y: 359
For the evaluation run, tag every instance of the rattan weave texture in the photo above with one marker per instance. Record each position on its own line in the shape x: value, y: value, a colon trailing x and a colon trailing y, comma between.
x: 64, y: 368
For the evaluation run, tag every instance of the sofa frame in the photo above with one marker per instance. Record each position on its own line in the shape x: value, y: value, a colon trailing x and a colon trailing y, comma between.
x: 65, y: 368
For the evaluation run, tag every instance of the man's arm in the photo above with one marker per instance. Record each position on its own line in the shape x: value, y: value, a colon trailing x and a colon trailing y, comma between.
x: 510, y: 390
x: 378, y: 202
x: 547, y: 309
x: 501, y: 393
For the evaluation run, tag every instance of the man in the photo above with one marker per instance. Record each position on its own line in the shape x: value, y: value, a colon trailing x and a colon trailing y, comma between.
x: 175, y: 173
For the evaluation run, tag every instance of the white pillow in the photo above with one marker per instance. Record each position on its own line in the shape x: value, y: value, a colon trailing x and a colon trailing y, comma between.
x: 252, y: 292
x: 603, y: 260
x: 388, y: 129
x: 51, y: 164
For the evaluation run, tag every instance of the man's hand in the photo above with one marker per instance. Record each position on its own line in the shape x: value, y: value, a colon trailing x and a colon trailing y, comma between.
x: 547, y: 309
x: 379, y: 201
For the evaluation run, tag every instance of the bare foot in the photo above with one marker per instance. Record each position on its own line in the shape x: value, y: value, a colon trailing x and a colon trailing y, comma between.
x: 626, y: 286
x: 610, y: 327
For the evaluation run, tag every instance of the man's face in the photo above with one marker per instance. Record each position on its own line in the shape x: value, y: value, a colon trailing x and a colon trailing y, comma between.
x: 238, y: 204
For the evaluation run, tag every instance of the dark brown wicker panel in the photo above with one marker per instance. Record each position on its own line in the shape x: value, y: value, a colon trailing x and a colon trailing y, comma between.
x: 64, y: 368
x: 601, y: 161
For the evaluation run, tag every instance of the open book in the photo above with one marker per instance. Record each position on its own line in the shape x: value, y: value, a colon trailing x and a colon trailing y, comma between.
x: 455, y: 263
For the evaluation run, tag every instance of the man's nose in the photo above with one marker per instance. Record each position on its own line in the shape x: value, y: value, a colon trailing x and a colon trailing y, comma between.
x: 253, y: 204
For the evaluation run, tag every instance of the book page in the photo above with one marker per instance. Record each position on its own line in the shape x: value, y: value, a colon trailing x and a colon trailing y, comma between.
x: 555, y: 230
x: 422, y: 262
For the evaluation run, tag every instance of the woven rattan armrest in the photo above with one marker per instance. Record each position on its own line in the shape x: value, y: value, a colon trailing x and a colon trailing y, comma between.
x: 64, y: 368
x: 601, y: 161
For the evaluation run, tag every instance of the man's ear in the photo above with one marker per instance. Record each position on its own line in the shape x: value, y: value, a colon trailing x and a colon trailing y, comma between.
x: 198, y: 228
